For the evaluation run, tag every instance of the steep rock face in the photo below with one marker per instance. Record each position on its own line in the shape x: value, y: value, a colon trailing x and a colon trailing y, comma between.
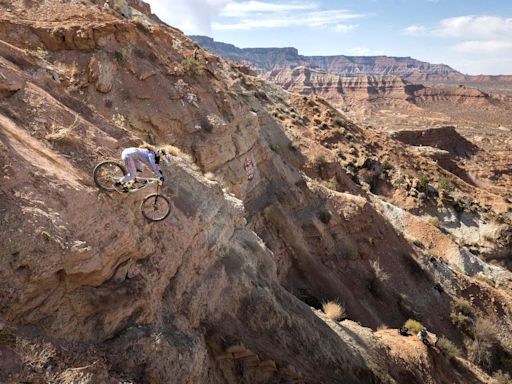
x: 221, y: 291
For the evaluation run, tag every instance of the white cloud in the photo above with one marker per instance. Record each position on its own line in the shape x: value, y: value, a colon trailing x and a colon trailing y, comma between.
x: 201, y: 16
x: 415, y: 29
x: 476, y: 27
x: 290, y: 19
x: 364, y: 51
x: 344, y: 28
x: 484, y: 47
x: 192, y: 16
x: 467, y: 27
x: 249, y: 8
x: 489, y: 37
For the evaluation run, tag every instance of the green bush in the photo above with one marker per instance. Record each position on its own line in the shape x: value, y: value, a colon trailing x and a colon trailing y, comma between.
x: 450, y: 350
x: 320, y: 160
x: 424, y: 181
x: 413, y: 326
x: 274, y: 147
x: 325, y: 216
x: 445, y: 184
x: 462, y: 315
x: 387, y: 166
x: 191, y: 66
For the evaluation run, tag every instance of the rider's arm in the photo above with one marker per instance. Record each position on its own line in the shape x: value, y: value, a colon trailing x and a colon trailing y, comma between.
x: 154, y: 166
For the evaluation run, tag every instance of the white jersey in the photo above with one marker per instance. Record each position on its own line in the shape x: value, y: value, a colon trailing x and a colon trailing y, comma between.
x: 144, y: 155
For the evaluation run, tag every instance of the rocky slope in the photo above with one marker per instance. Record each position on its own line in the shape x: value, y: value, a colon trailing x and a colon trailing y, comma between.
x: 279, y: 204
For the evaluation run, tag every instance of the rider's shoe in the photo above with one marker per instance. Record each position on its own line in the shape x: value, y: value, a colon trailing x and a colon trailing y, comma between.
x: 120, y: 187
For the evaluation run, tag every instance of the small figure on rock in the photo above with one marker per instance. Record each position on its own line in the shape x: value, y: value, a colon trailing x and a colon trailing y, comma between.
x: 427, y: 338
x: 146, y: 154
x: 106, y: 5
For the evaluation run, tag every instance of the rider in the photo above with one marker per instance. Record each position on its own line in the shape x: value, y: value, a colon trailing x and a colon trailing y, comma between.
x: 148, y: 154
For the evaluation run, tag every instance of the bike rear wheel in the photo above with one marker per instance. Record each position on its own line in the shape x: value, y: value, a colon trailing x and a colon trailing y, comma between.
x: 155, y: 207
x: 107, y: 173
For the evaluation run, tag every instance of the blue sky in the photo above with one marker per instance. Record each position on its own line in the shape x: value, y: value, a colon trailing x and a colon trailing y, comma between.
x: 472, y: 36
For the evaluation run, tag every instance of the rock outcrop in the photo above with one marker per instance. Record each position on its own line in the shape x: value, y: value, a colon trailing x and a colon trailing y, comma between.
x: 273, y: 214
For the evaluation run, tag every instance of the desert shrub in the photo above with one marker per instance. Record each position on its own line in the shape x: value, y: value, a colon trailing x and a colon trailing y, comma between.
x: 338, y: 122
x: 274, y: 147
x: 462, y: 315
x: 294, y: 145
x: 434, y: 221
x: 332, y: 183
x: 486, y: 349
x: 450, y: 350
x: 378, y: 271
x: 325, y: 216
x: 35, y: 354
x: 333, y: 310
x: 413, y: 326
x: 423, y: 180
x: 41, y: 52
x: 482, y: 277
x: 121, y: 55
x: 191, y: 66
x: 445, y: 184
x: 387, y: 166
x: 320, y: 160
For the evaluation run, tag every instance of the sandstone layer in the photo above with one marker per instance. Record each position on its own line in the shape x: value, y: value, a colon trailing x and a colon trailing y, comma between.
x: 279, y: 204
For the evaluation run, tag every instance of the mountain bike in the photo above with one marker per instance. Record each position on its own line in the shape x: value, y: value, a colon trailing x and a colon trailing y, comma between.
x: 154, y: 207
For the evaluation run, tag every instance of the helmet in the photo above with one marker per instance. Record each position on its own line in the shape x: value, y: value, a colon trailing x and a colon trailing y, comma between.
x: 161, y: 155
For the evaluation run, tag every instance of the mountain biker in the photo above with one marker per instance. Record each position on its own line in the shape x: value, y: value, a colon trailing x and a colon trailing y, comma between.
x: 147, y: 154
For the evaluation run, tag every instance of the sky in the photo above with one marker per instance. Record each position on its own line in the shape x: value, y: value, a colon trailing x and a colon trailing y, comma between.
x: 472, y: 36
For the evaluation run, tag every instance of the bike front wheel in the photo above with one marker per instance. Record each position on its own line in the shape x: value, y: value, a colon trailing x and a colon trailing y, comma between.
x: 107, y: 173
x: 155, y: 207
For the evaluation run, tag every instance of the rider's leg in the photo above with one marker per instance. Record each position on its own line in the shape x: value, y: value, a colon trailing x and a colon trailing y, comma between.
x: 138, y: 165
x: 132, y: 170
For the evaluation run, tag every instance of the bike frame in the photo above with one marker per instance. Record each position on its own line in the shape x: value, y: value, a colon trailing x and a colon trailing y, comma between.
x: 147, y: 182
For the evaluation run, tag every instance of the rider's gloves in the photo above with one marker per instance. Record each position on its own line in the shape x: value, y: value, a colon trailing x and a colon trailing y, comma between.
x: 162, y: 179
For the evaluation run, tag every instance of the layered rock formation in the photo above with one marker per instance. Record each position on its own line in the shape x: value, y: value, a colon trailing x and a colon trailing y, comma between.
x: 279, y: 203
x: 270, y: 59
x: 376, y: 89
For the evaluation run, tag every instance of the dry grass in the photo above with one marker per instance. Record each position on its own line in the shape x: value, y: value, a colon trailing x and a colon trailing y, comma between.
x: 333, y: 310
x: 34, y: 354
x: 413, y: 326
x: 378, y: 271
x: 172, y: 150
x: 62, y: 135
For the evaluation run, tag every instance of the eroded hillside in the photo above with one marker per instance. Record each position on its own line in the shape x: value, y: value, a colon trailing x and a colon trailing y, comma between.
x: 280, y: 204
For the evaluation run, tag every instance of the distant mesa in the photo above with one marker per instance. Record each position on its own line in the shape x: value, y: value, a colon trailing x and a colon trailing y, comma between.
x: 416, y: 71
